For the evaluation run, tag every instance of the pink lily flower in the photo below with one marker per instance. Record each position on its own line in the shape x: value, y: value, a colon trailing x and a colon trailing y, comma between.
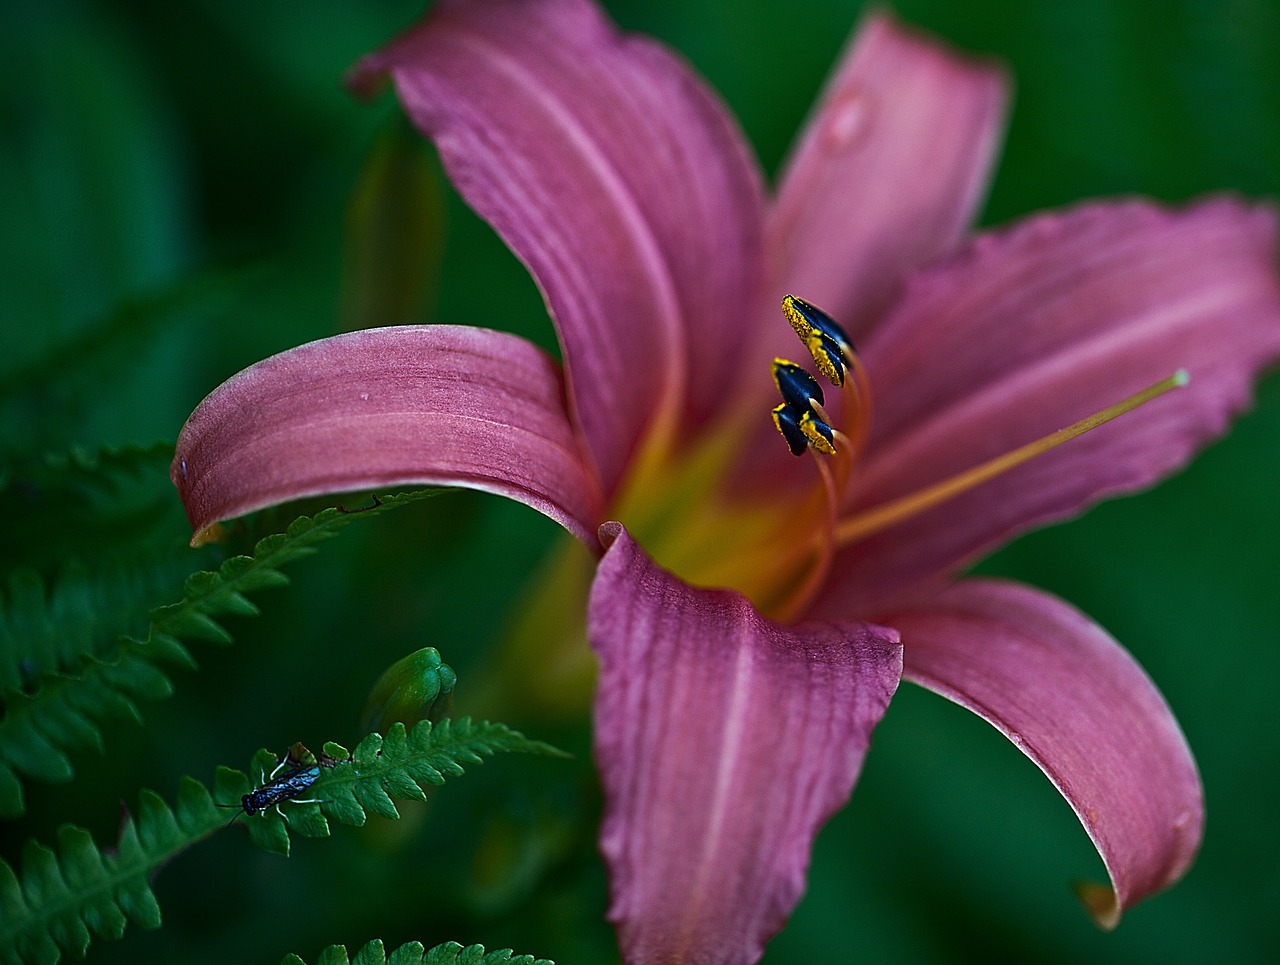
x: 752, y: 613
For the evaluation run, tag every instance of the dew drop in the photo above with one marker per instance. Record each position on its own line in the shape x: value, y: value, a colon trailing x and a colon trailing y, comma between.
x: 364, y: 396
x: 1018, y: 740
x: 182, y: 465
x: 1182, y: 820
x: 848, y: 119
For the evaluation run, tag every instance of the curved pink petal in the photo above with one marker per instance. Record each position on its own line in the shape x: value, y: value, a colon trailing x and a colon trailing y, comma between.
x: 723, y: 741
x: 617, y: 177
x: 1035, y: 327
x: 435, y: 404
x: 1076, y: 703
x: 887, y: 175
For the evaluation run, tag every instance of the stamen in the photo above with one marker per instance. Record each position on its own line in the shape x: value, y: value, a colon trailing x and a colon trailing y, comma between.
x: 787, y: 418
x: 802, y: 418
x: 826, y: 341
x: 797, y: 387
x: 827, y: 357
x: 798, y: 599
x: 859, y: 527
x: 819, y: 435
x: 857, y: 400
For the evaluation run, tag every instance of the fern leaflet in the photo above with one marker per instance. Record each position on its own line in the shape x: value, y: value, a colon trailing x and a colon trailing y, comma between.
x: 413, y: 953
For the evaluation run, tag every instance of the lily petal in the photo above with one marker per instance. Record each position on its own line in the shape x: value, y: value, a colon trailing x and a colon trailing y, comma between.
x: 702, y: 704
x: 448, y: 405
x: 888, y: 173
x: 618, y: 178
x: 1076, y: 703
x: 1086, y: 307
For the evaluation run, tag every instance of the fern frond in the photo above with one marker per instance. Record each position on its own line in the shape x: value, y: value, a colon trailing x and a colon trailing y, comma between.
x: 213, y: 594
x: 81, y: 616
x: 109, y: 472
x: 38, y: 729
x: 62, y: 713
x: 89, y: 503
x: 66, y: 896
x: 413, y: 953
x: 401, y: 765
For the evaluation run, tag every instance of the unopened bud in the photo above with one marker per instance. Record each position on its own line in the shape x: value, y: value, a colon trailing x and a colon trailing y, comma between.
x: 412, y: 689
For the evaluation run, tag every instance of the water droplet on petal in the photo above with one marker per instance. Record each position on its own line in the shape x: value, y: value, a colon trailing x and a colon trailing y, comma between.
x: 848, y: 118
x: 1182, y: 820
x: 364, y: 396
x: 182, y: 465
x: 1018, y: 740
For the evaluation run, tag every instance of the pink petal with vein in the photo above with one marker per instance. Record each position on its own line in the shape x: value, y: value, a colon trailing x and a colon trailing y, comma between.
x: 887, y: 176
x: 437, y: 404
x: 1076, y: 703
x: 1035, y: 327
x: 617, y: 177
x: 724, y: 741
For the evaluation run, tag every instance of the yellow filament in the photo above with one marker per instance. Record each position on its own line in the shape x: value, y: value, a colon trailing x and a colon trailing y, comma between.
x: 857, y: 395
x: 794, y: 602
x: 859, y: 527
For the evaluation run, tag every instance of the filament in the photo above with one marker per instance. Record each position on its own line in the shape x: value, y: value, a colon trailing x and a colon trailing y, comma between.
x: 858, y: 527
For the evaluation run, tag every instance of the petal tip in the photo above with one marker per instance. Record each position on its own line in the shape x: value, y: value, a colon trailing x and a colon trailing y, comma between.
x: 212, y: 533
x: 608, y: 533
x: 1100, y: 902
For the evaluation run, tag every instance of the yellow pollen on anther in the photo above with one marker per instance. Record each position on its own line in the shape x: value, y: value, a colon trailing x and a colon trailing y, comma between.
x: 859, y: 527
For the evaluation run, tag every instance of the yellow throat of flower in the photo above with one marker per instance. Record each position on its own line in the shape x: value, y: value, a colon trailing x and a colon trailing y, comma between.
x: 777, y: 553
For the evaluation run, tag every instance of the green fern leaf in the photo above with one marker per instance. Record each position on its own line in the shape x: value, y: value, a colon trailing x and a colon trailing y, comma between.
x: 413, y: 953
x: 65, y: 897
x: 210, y: 595
x: 85, y: 504
x: 82, y: 616
x: 401, y: 765
x: 39, y: 727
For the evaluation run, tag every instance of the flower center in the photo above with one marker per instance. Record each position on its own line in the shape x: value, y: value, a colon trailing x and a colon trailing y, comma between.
x: 803, y: 421
x: 778, y: 550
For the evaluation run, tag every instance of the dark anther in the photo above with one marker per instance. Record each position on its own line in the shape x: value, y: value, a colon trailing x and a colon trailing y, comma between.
x: 796, y: 385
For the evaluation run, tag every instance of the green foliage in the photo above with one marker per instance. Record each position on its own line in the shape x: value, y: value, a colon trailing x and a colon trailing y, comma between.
x: 394, y: 233
x: 400, y: 765
x: 64, y: 897
x: 51, y: 629
x: 64, y: 699
x: 210, y: 595
x: 51, y: 388
x: 103, y: 503
x: 413, y: 953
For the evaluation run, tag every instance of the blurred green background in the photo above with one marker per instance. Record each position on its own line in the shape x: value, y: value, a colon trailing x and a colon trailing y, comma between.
x: 179, y: 197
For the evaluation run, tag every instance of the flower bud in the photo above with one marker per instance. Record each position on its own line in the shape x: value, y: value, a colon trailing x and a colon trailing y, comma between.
x: 412, y: 689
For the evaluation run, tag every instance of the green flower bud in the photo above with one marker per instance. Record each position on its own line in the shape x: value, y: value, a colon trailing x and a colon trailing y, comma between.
x: 412, y: 689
